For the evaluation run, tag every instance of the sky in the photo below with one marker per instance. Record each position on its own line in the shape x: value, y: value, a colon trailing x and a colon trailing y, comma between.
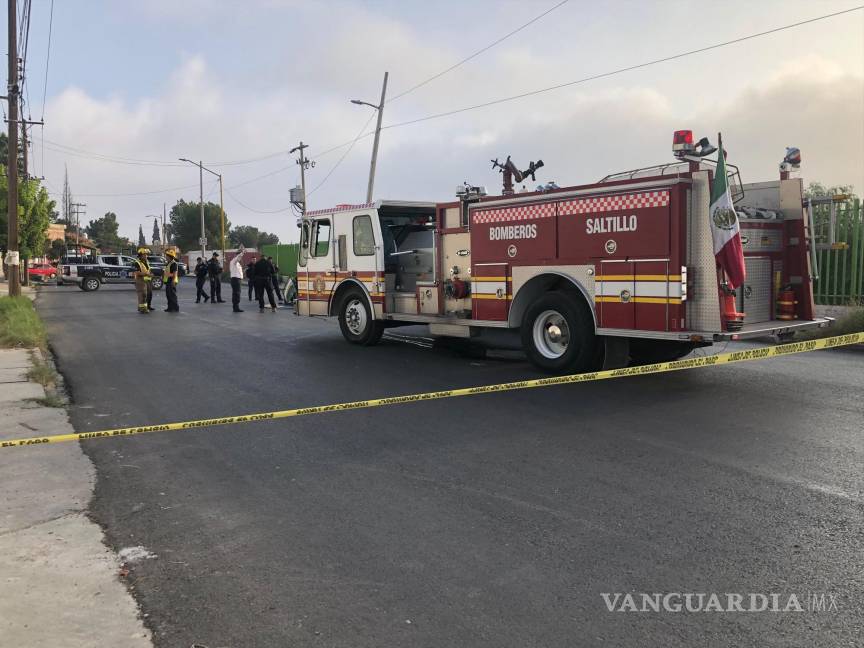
x: 133, y: 86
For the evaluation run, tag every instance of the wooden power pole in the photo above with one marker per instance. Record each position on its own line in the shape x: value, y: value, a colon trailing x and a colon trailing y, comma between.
x: 12, y: 91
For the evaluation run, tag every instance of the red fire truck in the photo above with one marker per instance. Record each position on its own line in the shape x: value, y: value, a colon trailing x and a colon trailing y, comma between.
x: 582, y: 277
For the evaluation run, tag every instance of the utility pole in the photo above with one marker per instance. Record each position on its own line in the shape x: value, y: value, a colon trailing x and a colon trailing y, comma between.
x: 164, y: 235
x: 304, y: 163
x: 222, y: 214
x: 12, y: 162
x: 380, y: 109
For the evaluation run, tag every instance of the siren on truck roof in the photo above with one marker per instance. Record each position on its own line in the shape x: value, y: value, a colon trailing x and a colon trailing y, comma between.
x: 792, y: 157
x: 682, y: 145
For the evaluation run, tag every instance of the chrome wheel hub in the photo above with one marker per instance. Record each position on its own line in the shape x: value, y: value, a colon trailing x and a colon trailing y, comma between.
x: 355, y: 317
x: 551, y: 334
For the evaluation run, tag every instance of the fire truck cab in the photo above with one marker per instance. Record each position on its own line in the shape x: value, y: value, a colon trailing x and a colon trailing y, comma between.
x: 604, y: 274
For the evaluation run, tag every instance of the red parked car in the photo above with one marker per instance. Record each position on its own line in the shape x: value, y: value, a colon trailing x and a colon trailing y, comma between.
x: 42, y: 272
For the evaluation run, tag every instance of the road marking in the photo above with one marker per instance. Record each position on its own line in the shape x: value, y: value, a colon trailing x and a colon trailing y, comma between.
x: 747, y: 355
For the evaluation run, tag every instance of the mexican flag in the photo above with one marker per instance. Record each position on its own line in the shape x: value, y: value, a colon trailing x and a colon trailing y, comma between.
x: 724, y: 225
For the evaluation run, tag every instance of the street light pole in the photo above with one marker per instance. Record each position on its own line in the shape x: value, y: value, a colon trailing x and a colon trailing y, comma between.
x: 201, y: 170
x: 203, y: 240
x: 380, y: 109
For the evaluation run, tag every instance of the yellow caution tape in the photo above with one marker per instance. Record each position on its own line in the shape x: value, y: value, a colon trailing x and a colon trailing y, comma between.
x: 677, y: 365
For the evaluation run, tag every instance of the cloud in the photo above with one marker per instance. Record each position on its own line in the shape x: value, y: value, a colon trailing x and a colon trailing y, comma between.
x: 582, y: 133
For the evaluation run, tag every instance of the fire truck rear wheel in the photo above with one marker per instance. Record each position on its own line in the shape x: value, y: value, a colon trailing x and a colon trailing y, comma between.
x: 558, y: 334
x: 357, y: 322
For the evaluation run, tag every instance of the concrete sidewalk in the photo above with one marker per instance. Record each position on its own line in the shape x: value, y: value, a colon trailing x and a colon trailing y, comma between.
x: 60, y: 583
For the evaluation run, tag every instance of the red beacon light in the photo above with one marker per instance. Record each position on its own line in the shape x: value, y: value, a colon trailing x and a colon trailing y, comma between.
x: 682, y: 143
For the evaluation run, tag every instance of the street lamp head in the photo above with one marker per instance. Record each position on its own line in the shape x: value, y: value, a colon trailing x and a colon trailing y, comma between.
x: 357, y: 101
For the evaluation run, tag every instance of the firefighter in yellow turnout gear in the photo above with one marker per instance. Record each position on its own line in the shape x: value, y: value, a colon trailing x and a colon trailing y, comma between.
x: 171, y: 277
x: 143, y: 278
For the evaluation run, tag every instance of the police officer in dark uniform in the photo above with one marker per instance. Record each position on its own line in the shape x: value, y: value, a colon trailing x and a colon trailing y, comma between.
x: 264, y: 283
x: 275, y: 278
x: 214, y: 270
x: 250, y: 276
x: 200, y: 280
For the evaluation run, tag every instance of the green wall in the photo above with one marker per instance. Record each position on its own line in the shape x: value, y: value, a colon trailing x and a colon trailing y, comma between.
x: 284, y: 255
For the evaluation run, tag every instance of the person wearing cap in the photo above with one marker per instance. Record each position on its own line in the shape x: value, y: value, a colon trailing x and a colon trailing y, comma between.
x: 200, y: 279
x: 170, y: 279
x: 214, y: 269
x: 143, y: 277
x: 274, y: 276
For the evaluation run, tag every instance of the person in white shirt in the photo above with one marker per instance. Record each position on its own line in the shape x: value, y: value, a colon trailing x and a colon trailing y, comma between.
x: 236, y: 269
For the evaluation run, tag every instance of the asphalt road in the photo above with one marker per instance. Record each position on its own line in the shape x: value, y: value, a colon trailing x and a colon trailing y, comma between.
x: 496, y: 520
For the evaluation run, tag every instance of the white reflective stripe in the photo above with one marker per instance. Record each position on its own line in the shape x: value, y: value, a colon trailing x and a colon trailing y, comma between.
x: 488, y: 287
x: 638, y: 288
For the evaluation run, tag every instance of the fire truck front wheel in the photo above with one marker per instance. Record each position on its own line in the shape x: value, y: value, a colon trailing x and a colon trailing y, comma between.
x: 558, y: 334
x: 357, y: 322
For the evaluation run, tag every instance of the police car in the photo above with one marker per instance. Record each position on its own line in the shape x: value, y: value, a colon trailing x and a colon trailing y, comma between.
x: 90, y: 273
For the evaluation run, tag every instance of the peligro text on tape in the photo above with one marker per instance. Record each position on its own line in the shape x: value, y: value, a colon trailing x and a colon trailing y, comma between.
x: 676, y: 365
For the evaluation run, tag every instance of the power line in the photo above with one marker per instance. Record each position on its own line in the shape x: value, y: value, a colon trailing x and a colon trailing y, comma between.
x: 408, y: 91
x: 630, y: 68
x: 139, y: 193
x: 45, y: 85
x: 104, y: 157
x: 477, y: 53
x: 47, y: 59
x: 344, y: 155
x: 252, y: 209
x: 523, y: 95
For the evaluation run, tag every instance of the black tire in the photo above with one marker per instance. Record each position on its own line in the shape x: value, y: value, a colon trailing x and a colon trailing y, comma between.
x: 558, y: 334
x: 644, y: 352
x: 89, y: 284
x: 356, y: 319
x: 156, y: 283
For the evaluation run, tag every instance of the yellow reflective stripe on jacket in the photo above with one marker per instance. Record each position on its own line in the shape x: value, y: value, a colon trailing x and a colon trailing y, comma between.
x: 167, y: 271
x: 144, y: 269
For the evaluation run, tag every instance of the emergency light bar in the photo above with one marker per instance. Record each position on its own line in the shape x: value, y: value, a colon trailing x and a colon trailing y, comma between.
x: 682, y: 143
x: 793, y: 157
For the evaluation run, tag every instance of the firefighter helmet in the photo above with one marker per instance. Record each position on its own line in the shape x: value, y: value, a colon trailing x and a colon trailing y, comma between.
x: 172, y: 252
x: 143, y: 250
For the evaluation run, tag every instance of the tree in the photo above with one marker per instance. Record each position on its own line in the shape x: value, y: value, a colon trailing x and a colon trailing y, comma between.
x: 66, y: 199
x: 816, y: 188
x: 186, y: 225
x: 103, y: 232
x: 157, y: 240
x: 4, y: 153
x: 142, y: 242
x: 34, y: 214
x: 57, y: 250
x: 34, y: 217
x: 252, y: 237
